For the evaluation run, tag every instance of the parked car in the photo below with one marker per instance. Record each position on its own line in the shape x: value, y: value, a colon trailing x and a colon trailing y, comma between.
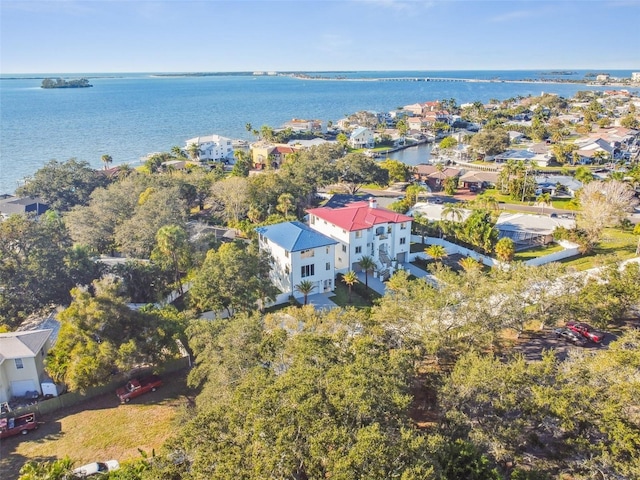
x: 18, y: 425
x: 96, y: 468
x: 136, y: 387
x: 570, y: 336
x: 586, y: 331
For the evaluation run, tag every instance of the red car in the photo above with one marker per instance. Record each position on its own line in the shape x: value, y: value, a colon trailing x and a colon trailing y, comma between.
x: 136, y: 387
x: 22, y: 424
x: 586, y: 330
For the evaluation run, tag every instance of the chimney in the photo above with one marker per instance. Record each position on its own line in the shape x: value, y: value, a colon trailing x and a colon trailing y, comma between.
x: 373, y: 203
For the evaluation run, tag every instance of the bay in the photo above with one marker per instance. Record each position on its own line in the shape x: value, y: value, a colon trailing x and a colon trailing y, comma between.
x: 131, y: 115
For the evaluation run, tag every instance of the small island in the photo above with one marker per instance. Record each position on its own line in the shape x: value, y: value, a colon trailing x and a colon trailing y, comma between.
x: 61, y: 83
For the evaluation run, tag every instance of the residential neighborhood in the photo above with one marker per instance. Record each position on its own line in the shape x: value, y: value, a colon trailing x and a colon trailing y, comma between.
x: 227, y: 264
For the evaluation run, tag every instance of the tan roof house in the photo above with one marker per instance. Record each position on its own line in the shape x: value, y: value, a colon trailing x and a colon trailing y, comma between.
x: 301, y: 125
x: 22, y: 362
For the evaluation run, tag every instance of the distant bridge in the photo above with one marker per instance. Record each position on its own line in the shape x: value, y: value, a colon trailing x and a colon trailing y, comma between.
x: 434, y: 79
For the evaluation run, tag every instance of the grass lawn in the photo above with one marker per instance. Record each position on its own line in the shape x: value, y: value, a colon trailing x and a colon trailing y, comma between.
x: 101, y: 429
x: 565, y: 204
x: 536, y: 252
x: 615, y: 244
x: 341, y: 297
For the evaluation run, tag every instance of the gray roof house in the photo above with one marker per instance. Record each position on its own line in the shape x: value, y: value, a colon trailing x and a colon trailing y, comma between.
x: 298, y: 253
x: 557, y: 185
x: 22, y: 362
x: 530, y: 230
x: 20, y: 205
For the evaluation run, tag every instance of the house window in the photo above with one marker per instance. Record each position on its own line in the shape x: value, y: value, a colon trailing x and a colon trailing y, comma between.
x: 358, y: 249
x: 359, y: 234
x: 307, y: 271
x: 403, y: 241
x: 344, y: 248
x: 403, y: 226
x: 344, y: 231
x: 19, y: 363
x: 389, y: 229
x: 328, y: 265
x: 286, y: 270
x: 327, y: 250
x: 307, y: 253
x: 286, y: 253
x: 312, y: 220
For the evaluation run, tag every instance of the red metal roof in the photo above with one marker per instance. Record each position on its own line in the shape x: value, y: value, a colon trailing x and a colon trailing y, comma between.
x: 358, y: 216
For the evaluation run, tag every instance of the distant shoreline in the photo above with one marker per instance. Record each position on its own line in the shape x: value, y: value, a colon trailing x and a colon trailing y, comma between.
x: 462, y: 80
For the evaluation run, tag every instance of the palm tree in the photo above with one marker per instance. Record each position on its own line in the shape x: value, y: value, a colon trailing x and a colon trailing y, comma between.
x: 544, y: 199
x: 488, y: 202
x: 177, y: 151
x: 350, y: 278
x: 107, y: 160
x: 305, y: 287
x: 367, y: 263
x: 194, y: 151
x: 453, y: 212
x: 124, y: 170
x: 285, y: 202
x: 437, y: 252
x: 469, y: 264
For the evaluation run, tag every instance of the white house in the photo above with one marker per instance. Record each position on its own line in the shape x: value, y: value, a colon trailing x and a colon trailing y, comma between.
x: 298, y: 253
x: 22, y: 362
x: 361, y: 228
x: 212, y: 147
x: 361, y: 137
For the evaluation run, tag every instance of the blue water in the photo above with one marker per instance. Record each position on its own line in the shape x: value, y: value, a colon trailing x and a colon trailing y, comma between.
x: 130, y: 115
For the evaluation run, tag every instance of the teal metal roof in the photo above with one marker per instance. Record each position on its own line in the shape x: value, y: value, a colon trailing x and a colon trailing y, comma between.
x: 295, y: 236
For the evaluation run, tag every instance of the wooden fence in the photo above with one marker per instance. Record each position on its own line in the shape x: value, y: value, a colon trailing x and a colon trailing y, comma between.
x: 69, y: 399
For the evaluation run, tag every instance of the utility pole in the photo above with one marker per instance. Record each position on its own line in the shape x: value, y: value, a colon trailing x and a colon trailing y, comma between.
x: 524, y: 183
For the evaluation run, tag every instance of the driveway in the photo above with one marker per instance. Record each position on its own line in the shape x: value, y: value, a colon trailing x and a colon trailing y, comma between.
x: 320, y: 301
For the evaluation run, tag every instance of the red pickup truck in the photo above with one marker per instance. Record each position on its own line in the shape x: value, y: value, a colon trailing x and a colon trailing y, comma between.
x: 136, y: 387
x: 22, y: 424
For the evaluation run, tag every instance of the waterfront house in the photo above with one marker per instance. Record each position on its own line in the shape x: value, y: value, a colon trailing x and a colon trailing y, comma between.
x: 361, y: 137
x: 433, y: 176
x: 420, y: 109
x: 300, y: 125
x: 298, y: 253
x: 362, y: 228
x: 22, y: 357
x: 212, y: 147
x: 527, y: 156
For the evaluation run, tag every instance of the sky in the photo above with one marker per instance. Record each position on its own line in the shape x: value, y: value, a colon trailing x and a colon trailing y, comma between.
x: 87, y: 36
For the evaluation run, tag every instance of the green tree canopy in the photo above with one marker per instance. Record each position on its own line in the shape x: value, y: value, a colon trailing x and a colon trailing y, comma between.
x: 63, y: 185
x: 100, y: 334
x: 233, y: 278
x: 356, y: 170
